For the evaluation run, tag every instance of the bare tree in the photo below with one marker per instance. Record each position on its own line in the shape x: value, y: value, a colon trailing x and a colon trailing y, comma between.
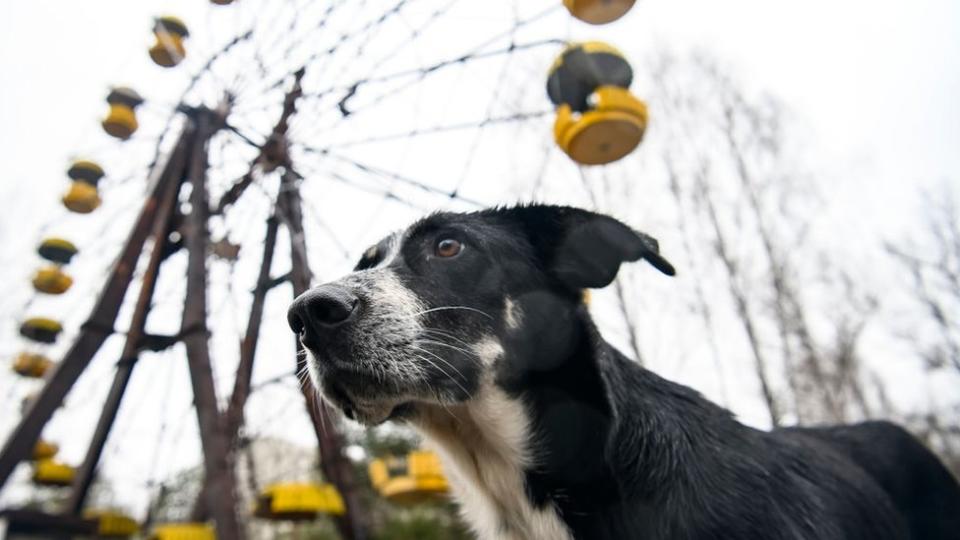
x: 744, y: 213
x: 933, y: 265
x: 931, y: 259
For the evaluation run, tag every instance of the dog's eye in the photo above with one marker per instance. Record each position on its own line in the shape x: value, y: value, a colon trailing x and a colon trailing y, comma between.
x: 448, y: 247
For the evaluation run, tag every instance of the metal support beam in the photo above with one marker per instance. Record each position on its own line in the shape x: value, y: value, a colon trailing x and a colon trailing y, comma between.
x: 221, y: 492
x: 93, y: 333
x: 272, y: 154
x: 248, y: 348
x: 131, y: 348
x: 335, y: 465
x: 233, y: 418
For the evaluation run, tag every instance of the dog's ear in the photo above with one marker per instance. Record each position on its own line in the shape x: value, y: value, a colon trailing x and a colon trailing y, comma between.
x: 584, y: 249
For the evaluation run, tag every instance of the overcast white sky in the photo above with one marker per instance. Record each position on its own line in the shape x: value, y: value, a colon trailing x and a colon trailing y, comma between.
x: 873, y: 83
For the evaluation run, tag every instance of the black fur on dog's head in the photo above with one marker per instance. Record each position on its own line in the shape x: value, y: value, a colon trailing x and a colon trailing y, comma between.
x: 457, y: 299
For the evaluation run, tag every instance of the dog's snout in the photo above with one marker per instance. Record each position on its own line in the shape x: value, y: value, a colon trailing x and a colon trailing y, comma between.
x: 321, y: 309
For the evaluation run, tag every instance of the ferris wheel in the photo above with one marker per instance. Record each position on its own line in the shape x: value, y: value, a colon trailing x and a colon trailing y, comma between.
x: 272, y: 143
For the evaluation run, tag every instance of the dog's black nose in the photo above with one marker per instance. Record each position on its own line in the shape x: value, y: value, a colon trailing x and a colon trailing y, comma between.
x: 321, y: 309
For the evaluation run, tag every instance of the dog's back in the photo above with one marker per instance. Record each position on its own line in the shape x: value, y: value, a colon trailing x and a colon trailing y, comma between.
x: 919, y: 486
x: 709, y: 477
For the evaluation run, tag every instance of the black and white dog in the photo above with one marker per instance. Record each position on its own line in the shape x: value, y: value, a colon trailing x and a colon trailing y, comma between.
x: 470, y: 327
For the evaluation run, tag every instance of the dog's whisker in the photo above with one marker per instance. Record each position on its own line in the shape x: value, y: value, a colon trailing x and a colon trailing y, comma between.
x: 445, y: 407
x: 317, y: 405
x: 443, y: 337
x: 425, y: 359
x: 454, y: 380
x: 468, y: 353
x: 438, y: 357
x: 465, y: 308
x: 443, y: 333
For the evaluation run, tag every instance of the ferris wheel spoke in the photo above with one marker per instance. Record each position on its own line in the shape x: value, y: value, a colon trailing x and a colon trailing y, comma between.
x: 494, y: 99
x: 414, y: 34
x: 384, y: 174
x: 318, y: 219
x: 332, y: 49
x: 396, y: 49
x: 414, y: 77
x: 290, y: 40
x: 435, y: 130
x: 419, y: 73
x: 386, y: 192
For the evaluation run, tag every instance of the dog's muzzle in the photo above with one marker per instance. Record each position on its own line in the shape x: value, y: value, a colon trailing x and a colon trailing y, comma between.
x: 318, y: 313
x: 358, y: 334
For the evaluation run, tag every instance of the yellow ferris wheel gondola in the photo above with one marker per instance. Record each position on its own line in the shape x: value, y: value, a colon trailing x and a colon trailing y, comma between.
x: 83, y: 197
x: 598, y: 120
x: 121, y: 121
x: 47, y: 472
x: 168, y: 51
x: 611, y: 129
x: 112, y: 524
x: 298, y: 502
x: 31, y: 365
x: 57, y: 250
x: 44, y: 450
x: 598, y: 11
x: 41, y: 329
x: 52, y: 280
x: 416, y: 478
x: 84, y: 170
x: 183, y: 531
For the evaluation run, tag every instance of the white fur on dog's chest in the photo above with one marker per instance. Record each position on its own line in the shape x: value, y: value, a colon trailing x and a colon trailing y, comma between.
x: 484, y: 447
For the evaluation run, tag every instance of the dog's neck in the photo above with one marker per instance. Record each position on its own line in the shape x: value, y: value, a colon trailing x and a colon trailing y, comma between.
x: 485, y: 445
x: 494, y: 442
x: 538, y: 444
